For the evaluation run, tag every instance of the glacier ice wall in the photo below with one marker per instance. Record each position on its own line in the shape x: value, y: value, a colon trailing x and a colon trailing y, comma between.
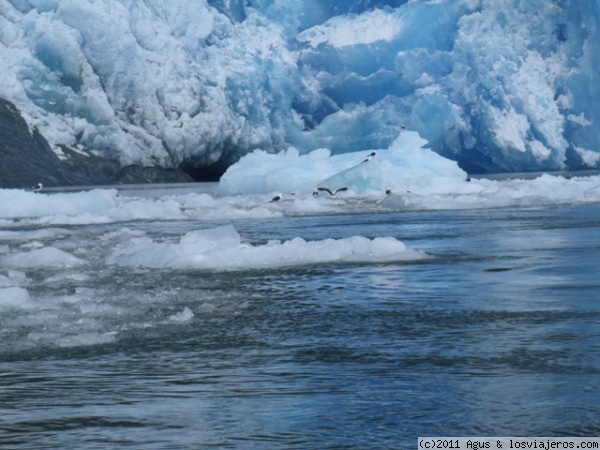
x: 495, y: 85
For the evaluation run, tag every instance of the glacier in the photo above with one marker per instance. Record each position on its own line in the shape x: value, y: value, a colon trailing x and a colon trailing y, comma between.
x: 496, y: 86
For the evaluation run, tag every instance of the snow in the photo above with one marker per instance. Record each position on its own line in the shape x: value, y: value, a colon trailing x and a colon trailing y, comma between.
x: 496, y: 86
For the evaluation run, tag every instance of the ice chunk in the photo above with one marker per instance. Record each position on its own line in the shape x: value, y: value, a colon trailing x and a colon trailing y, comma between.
x: 12, y: 278
x: 222, y: 249
x: 404, y: 165
x: 182, y: 316
x: 481, y: 193
x: 15, y: 297
x: 18, y: 203
x: 43, y: 257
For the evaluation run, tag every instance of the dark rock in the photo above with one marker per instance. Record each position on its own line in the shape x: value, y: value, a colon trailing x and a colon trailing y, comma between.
x: 83, y: 168
x: 201, y: 172
x: 27, y: 159
x: 25, y: 156
x: 133, y: 174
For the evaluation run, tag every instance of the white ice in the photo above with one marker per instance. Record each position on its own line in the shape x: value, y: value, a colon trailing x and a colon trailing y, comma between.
x: 343, y: 31
x: 499, y: 85
x: 47, y: 256
x: 14, y: 297
x: 418, y: 178
x: 222, y: 249
x: 64, y: 256
x: 405, y: 165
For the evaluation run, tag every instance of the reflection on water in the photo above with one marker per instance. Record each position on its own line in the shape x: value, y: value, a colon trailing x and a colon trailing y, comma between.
x: 495, y: 335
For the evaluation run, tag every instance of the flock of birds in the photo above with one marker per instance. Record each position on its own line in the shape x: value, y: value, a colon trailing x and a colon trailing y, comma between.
x: 319, y: 189
x: 315, y: 193
x: 39, y: 186
x: 331, y: 192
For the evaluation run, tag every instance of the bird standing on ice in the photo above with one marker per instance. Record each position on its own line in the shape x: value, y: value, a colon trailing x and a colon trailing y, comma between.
x: 38, y: 187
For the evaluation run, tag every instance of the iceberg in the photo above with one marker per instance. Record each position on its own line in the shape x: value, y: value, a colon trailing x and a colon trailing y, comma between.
x: 405, y: 165
x: 198, y: 84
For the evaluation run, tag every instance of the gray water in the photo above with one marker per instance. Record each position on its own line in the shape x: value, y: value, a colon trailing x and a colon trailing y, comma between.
x: 497, y: 334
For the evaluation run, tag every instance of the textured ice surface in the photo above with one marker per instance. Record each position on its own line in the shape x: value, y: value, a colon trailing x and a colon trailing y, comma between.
x: 223, y: 249
x: 497, y: 85
x: 405, y: 165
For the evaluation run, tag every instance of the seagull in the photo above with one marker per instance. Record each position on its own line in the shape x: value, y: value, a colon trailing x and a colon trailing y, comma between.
x: 38, y: 187
x: 342, y: 189
x: 276, y: 198
x: 370, y: 157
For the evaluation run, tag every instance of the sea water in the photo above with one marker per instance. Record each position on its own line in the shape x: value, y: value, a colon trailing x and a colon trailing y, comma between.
x: 494, y: 332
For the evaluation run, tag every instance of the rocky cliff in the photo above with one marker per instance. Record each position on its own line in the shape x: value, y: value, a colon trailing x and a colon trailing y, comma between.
x: 26, y: 159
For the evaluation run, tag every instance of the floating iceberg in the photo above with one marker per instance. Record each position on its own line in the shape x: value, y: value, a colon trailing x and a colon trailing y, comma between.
x: 18, y: 203
x: 223, y: 249
x: 43, y: 257
x: 14, y: 297
x: 84, y: 207
x: 405, y: 176
x: 405, y: 165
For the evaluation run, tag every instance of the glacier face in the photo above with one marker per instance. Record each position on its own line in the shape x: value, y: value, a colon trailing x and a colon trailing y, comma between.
x: 507, y: 85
